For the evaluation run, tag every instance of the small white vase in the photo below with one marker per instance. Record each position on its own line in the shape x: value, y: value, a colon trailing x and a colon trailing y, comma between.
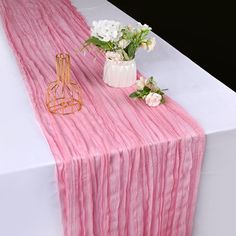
x: 119, y: 74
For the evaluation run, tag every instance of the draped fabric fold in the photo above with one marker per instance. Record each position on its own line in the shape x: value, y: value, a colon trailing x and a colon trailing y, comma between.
x: 123, y: 168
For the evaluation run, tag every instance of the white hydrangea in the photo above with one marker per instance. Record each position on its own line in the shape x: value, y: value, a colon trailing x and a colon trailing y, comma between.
x: 107, y: 30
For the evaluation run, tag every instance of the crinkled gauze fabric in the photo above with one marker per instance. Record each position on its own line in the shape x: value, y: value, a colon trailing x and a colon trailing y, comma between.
x: 123, y: 168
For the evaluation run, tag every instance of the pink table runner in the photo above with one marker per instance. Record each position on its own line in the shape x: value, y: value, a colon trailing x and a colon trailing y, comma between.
x: 123, y: 168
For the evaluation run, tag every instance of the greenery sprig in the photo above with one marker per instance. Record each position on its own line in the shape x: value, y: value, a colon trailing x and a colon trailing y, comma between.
x: 148, y: 90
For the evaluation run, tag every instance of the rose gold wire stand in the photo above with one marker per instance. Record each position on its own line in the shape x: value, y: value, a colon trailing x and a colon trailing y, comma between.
x: 63, y: 95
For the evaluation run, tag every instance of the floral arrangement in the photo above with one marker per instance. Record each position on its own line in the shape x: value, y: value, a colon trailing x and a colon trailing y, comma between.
x: 148, y: 91
x: 119, y: 42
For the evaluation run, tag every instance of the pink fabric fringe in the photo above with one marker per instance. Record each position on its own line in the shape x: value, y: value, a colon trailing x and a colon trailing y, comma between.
x: 123, y: 168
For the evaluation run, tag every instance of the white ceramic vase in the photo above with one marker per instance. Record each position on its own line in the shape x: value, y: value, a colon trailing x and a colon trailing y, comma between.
x: 119, y: 74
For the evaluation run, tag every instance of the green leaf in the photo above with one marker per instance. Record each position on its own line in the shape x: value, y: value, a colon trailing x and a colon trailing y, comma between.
x: 125, y: 55
x: 158, y: 91
x: 131, y: 50
x: 162, y: 100
x: 106, y: 46
x: 146, y: 89
x: 134, y: 95
x: 151, y: 79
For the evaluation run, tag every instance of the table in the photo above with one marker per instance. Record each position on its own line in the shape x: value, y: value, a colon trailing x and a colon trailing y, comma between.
x: 29, y: 204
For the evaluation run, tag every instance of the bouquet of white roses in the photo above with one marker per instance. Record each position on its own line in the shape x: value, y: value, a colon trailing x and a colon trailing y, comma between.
x: 119, y: 42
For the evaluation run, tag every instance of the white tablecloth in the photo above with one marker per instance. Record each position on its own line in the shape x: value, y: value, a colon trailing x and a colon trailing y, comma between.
x: 29, y: 204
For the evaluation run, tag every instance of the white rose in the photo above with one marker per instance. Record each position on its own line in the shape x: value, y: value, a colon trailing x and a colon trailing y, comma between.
x: 115, y: 56
x: 123, y: 43
x: 151, y: 44
x: 140, y: 83
x: 153, y: 99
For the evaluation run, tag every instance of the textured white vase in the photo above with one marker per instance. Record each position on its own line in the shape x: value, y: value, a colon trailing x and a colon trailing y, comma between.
x: 119, y: 74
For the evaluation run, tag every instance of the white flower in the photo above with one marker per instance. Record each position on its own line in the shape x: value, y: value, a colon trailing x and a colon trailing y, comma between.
x: 115, y: 56
x: 151, y: 44
x: 130, y: 28
x: 123, y: 43
x: 153, y: 99
x: 144, y: 27
x: 144, y: 45
x: 140, y: 83
x: 151, y: 83
x: 106, y: 30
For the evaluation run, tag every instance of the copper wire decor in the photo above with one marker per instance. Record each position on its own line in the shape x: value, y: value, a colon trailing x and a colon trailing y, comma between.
x: 63, y: 95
